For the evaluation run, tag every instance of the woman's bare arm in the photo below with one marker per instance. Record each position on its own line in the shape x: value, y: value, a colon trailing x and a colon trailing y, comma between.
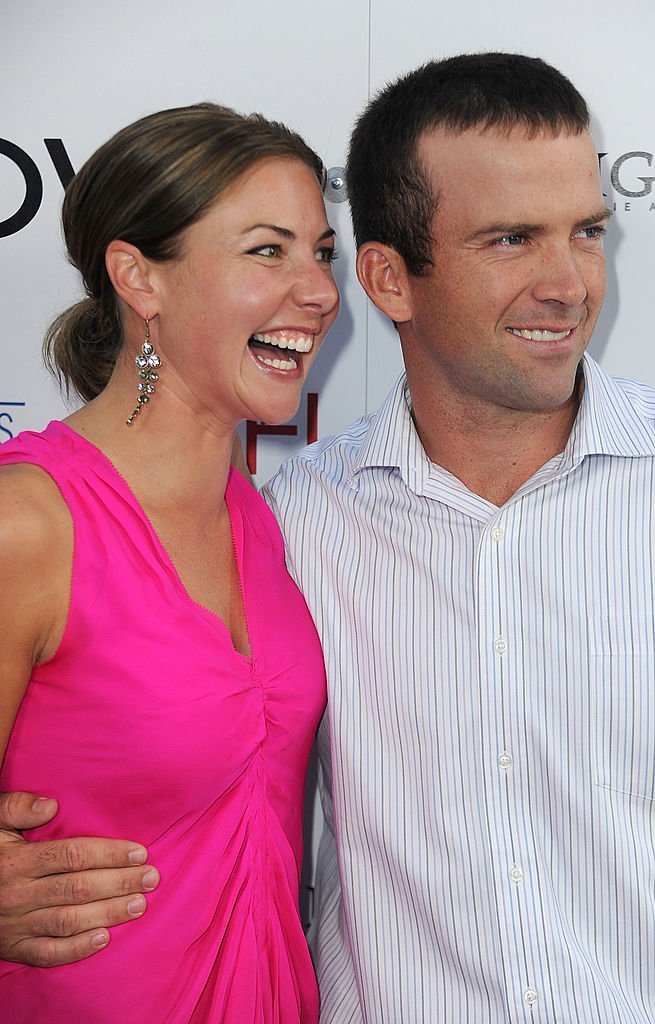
x: 57, y: 898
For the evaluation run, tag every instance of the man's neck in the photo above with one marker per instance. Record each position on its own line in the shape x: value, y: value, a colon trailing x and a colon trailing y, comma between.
x: 494, y: 452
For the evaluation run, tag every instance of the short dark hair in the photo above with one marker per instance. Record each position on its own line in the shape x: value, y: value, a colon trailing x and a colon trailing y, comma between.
x: 390, y: 197
x: 147, y: 185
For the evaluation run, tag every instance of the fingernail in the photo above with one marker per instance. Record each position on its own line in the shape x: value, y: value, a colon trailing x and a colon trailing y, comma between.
x: 39, y: 805
x: 136, y: 906
x: 138, y: 855
x: 99, y: 939
x: 150, y: 879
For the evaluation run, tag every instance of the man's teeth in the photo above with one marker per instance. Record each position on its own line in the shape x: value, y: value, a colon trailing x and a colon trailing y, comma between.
x: 539, y: 335
x: 281, y: 340
x: 279, y: 364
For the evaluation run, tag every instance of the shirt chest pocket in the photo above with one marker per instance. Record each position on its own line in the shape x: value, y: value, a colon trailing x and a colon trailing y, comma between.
x: 622, y: 695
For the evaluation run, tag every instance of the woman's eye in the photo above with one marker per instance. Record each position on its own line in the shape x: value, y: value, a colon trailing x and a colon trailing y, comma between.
x: 265, y: 250
x: 327, y: 255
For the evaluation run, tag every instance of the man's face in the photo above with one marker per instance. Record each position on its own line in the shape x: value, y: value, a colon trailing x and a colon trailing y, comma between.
x: 504, y: 315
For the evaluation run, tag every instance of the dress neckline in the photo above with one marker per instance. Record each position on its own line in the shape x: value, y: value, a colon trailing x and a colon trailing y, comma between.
x: 236, y: 529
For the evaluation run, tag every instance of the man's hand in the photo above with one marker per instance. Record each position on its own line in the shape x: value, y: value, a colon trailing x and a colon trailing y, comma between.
x: 58, y: 898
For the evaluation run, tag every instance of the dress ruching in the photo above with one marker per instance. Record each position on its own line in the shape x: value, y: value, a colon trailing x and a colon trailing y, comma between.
x: 148, y: 725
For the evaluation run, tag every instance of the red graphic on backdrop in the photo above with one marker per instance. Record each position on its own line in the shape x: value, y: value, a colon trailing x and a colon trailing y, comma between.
x: 255, y: 430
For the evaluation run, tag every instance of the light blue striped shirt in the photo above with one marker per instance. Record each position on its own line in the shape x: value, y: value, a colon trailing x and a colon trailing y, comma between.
x: 488, y: 753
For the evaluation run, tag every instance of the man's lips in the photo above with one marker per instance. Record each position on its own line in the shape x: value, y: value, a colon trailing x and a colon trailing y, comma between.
x: 541, y: 334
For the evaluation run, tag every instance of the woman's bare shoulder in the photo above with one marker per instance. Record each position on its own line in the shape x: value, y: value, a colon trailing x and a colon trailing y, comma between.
x: 33, y: 513
x: 36, y: 554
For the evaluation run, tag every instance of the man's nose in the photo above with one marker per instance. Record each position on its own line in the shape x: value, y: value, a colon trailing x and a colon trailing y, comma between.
x: 561, y: 277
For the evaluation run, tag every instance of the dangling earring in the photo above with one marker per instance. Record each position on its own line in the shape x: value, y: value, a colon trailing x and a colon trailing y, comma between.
x: 147, y: 361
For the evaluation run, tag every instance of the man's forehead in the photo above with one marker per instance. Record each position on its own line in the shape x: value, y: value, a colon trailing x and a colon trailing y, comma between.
x: 445, y: 153
x: 489, y: 179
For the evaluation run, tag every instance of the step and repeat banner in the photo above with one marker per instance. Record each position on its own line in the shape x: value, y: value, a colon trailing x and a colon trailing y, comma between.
x: 74, y: 72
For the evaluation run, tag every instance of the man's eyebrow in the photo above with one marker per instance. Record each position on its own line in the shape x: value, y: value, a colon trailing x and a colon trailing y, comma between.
x: 525, y: 228
x: 603, y: 214
x: 286, y: 233
x: 504, y: 228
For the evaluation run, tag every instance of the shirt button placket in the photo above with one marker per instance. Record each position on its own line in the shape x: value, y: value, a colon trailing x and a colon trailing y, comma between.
x: 505, y: 762
x: 499, y: 649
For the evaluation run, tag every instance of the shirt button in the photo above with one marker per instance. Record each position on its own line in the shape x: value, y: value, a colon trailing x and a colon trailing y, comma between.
x: 516, y: 874
x: 530, y: 996
x: 500, y: 645
x: 505, y: 761
x: 497, y: 533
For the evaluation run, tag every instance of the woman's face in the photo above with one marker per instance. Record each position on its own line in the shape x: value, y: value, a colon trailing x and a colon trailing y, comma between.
x: 245, y: 307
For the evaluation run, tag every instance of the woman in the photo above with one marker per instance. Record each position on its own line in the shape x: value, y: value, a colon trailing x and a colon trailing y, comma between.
x: 159, y: 673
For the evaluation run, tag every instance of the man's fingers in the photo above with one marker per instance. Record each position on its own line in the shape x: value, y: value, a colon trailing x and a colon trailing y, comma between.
x: 64, y: 934
x: 79, y: 888
x: 25, y: 810
x: 49, y: 952
x: 25, y: 860
x: 68, y: 922
x: 90, y: 886
x: 58, y: 898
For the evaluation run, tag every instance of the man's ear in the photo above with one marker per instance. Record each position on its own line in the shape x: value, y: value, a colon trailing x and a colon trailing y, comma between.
x: 383, y: 276
x: 130, y: 274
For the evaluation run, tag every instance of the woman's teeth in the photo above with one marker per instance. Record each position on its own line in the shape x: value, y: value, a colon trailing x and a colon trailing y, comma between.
x: 301, y: 343
x: 278, y: 364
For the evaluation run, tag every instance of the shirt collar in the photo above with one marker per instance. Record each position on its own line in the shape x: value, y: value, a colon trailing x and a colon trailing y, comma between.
x: 392, y: 441
x: 616, y: 417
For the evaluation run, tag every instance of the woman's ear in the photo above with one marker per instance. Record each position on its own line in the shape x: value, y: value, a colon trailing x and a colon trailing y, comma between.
x: 383, y: 276
x: 130, y: 274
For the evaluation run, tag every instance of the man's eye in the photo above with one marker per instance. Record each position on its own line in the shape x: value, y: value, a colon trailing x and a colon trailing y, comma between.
x: 510, y: 240
x: 593, y: 233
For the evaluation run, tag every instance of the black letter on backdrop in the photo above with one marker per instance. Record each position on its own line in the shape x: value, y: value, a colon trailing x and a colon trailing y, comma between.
x: 59, y: 157
x: 33, y: 189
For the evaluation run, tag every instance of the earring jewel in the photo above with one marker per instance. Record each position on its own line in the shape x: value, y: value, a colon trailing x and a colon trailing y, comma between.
x: 147, y: 363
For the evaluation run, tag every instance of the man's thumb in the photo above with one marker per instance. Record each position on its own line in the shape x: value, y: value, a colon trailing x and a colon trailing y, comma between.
x: 25, y: 810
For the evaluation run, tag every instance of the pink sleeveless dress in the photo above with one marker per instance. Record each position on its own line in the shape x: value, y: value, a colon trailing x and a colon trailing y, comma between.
x: 148, y: 725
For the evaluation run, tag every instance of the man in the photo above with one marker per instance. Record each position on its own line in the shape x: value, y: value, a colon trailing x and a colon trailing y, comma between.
x: 478, y: 558
x: 479, y: 561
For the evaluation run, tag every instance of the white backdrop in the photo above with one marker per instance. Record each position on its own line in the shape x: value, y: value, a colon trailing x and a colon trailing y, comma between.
x: 78, y: 70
